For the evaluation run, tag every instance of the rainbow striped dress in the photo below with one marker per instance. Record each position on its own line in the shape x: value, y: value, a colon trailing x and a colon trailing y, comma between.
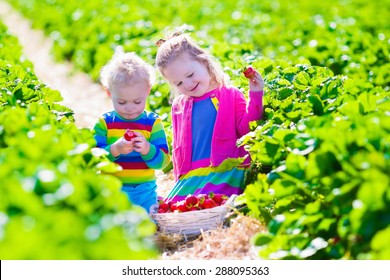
x: 227, y: 178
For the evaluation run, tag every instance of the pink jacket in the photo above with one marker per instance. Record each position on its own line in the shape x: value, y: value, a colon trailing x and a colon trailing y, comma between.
x: 232, y: 122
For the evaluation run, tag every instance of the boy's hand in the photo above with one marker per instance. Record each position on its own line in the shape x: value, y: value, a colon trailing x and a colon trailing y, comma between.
x: 141, y: 145
x: 256, y: 82
x: 122, y: 147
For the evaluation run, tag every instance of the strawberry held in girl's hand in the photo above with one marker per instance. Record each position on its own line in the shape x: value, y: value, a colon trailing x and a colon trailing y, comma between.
x: 129, y: 135
x: 249, y: 72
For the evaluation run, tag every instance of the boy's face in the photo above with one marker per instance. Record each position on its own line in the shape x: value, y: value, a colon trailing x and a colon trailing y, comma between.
x: 129, y: 100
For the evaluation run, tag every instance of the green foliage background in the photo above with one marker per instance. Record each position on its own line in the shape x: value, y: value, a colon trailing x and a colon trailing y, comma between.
x: 348, y: 36
x: 320, y: 177
x: 55, y: 202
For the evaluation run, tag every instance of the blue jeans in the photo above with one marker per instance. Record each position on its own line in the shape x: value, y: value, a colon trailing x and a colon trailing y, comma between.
x: 144, y: 195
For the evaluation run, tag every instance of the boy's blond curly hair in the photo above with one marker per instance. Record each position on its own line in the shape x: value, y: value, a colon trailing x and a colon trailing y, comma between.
x: 126, y: 68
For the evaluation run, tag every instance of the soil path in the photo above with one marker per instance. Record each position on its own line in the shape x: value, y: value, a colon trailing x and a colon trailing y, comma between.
x: 81, y: 94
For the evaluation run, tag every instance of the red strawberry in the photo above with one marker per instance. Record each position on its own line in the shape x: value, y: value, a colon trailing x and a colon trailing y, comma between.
x: 219, y: 197
x: 172, y: 206
x: 194, y: 208
x: 129, y: 135
x: 163, y: 206
x: 182, y: 207
x: 202, y: 195
x: 249, y: 72
x: 201, y: 198
x: 191, y: 200
x: 209, y: 203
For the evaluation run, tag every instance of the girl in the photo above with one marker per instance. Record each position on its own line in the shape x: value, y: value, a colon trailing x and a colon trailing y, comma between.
x: 208, y: 117
x: 127, y: 80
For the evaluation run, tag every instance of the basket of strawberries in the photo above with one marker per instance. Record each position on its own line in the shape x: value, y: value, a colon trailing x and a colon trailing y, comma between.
x: 192, y: 214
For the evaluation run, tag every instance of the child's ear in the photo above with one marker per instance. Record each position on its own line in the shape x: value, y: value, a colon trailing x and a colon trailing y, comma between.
x: 107, y: 92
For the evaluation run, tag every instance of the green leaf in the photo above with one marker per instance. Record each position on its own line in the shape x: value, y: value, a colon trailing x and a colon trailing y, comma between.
x: 318, y: 106
x: 313, y: 207
x: 261, y: 239
x: 381, y: 244
x: 302, y: 78
x: 108, y: 167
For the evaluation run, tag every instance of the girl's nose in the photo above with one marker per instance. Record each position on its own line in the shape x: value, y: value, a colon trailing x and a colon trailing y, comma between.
x: 188, y: 84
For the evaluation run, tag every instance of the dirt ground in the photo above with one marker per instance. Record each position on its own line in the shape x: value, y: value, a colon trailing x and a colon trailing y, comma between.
x: 88, y: 101
x: 86, y: 98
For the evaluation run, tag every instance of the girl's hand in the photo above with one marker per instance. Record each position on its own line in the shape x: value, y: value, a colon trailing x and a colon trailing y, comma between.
x: 256, y: 82
x: 141, y: 145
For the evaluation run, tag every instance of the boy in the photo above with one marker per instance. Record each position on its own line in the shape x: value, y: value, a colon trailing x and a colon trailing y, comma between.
x: 127, y: 80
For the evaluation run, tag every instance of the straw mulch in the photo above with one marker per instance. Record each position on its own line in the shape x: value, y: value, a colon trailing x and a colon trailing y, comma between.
x: 165, y: 182
x: 232, y: 242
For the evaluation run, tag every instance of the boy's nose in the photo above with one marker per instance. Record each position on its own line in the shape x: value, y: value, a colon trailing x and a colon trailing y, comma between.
x: 129, y: 107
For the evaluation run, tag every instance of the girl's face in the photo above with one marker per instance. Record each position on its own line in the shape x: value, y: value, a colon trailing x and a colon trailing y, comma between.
x: 129, y: 100
x: 188, y: 76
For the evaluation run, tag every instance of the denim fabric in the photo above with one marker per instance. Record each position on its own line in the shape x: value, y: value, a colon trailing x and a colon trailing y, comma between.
x: 144, y: 195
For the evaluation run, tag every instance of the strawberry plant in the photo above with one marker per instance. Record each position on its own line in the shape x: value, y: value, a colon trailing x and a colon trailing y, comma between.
x: 320, y: 154
x: 349, y: 37
x: 57, y: 197
x: 326, y: 196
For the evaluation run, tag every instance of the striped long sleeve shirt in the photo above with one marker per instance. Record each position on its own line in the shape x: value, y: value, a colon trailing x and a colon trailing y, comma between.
x: 136, y: 168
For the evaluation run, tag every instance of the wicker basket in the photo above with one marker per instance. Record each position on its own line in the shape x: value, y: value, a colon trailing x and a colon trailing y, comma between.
x: 192, y: 222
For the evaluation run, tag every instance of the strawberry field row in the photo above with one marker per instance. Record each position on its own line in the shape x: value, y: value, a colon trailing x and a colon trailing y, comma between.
x: 53, y: 202
x: 324, y: 141
x: 349, y: 37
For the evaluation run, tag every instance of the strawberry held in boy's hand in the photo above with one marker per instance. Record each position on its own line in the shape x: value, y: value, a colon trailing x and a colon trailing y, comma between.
x: 249, y: 72
x: 129, y: 135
